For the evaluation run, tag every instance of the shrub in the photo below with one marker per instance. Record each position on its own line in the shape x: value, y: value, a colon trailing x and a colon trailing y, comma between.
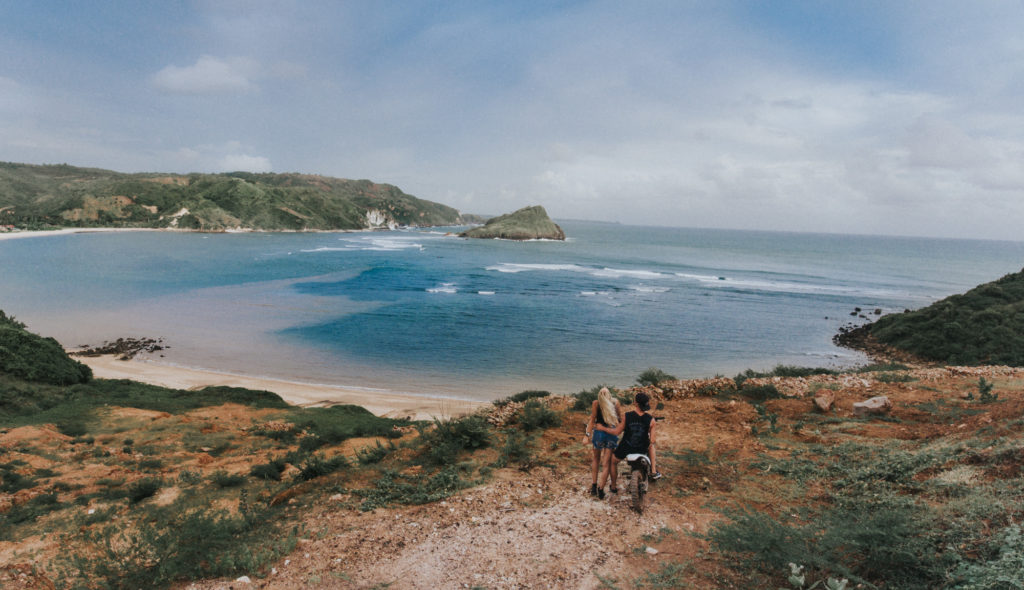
x: 760, y: 393
x: 374, y: 454
x: 143, y: 488
x: 584, y: 399
x: 395, y: 488
x: 223, y: 479
x: 450, y: 437
x: 536, y: 415
x: 176, y: 547
x: 522, y: 396
x: 653, y: 376
x: 271, y: 470
x: 895, y: 378
x: 517, y: 448
x: 318, y: 466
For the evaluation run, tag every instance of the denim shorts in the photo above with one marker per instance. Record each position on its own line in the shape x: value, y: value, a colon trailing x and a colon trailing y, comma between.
x: 603, y: 440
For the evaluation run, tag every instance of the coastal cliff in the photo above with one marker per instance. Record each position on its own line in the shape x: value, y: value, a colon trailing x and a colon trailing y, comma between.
x: 61, y: 195
x: 528, y: 223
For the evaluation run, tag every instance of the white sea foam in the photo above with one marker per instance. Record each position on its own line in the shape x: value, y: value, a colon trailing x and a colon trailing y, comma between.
x: 789, y: 286
x: 513, y: 267
x: 485, y: 292
x: 649, y: 289
x: 606, y: 273
x: 617, y: 273
x: 444, y: 288
x: 327, y: 249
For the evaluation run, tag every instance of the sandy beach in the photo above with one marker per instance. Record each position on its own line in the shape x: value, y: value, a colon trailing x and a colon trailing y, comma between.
x: 13, y: 235
x: 300, y: 394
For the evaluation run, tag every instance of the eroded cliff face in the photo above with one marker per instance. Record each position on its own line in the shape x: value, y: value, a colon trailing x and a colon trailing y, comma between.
x: 528, y: 223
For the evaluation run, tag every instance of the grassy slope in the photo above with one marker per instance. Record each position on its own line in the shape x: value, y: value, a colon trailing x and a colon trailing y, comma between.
x: 67, y: 195
x: 982, y: 326
x: 525, y: 224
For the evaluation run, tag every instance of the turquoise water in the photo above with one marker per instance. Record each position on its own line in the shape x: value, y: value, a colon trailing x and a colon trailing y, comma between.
x: 423, y: 312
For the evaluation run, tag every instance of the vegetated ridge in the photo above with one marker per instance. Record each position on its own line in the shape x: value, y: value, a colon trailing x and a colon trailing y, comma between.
x: 528, y: 223
x: 985, y: 325
x: 35, y: 197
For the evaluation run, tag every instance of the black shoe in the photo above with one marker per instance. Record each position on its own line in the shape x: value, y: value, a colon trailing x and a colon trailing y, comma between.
x: 593, y: 489
x: 613, y: 490
x: 600, y: 494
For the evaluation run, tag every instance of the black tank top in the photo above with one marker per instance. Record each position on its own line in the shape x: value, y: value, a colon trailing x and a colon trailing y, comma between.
x: 637, y: 434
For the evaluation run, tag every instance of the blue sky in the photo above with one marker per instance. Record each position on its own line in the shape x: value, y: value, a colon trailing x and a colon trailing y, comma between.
x: 898, y: 118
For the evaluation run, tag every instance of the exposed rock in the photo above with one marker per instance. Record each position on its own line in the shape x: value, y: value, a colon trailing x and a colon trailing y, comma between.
x: 127, y: 348
x: 824, y: 400
x: 528, y: 223
x: 874, y: 406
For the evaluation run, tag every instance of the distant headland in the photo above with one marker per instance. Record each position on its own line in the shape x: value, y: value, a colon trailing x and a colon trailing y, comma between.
x: 41, y: 197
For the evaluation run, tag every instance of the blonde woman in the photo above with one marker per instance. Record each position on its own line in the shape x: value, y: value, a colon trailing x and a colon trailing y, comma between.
x: 608, y: 413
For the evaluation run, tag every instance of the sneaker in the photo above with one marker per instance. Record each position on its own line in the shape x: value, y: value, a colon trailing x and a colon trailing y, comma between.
x: 600, y: 494
x: 593, y: 489
x: 613, y: 490
x: 656, y: 475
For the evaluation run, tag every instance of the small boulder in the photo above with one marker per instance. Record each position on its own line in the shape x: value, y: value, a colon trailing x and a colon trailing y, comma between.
x: 874, y: 406
x: 824, y: 400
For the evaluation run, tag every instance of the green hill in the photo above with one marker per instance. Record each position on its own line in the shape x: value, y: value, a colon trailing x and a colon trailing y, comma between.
x: 62, y: 195
x: 31, y: 357
x: 528, y: 223
x: 982, y: 326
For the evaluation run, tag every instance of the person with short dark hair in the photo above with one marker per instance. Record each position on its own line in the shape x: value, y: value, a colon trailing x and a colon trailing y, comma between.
x: 637, y: 430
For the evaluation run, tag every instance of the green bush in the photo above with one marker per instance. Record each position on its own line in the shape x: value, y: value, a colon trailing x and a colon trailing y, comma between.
x: 869, y: 538
x: 759, y: 393
x: 174, y: 547
x: 318, y: 466
x: 333, y: 425
x: 535, y: 416
x: 653, y: 376
x: 518, y: 448
x: 223, y: 479
x: 448, y: 438
x: 522, y: 396
x: 374, y: 454
x: 143, y: 488
x: 584, y: 399
x: 271, y: 470
x: 395, y: 488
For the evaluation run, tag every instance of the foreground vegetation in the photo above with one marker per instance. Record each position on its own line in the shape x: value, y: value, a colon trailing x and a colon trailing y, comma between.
x: 36, y: 197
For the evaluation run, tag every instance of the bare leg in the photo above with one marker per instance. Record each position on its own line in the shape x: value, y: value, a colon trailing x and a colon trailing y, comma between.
x: 595, y: 464
x: 654, y: 462
x: 613, y: 468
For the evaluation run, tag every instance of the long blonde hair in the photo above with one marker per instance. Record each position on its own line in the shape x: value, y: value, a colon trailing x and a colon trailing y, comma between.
x: 609, y: 411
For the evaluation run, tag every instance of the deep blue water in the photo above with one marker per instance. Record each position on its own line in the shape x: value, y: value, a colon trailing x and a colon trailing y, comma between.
x: 418, y: 311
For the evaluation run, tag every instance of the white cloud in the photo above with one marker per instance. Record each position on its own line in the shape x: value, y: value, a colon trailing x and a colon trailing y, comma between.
x: 230, y: 156
x: 245, y: 163
x: 209, y: 75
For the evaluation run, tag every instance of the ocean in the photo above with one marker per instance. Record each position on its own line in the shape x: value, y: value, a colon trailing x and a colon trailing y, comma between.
x: 424, y: 312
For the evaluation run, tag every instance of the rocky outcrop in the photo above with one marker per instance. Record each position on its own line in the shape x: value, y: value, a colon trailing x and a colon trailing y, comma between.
x: 528, y: 223
x: 872, y: 407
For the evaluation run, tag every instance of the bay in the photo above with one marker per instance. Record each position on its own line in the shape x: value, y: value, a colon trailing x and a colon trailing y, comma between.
x: 418, y: 311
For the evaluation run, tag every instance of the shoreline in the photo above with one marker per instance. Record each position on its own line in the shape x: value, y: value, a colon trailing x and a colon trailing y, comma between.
x: 385, y: 404
x: 33, y: 233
